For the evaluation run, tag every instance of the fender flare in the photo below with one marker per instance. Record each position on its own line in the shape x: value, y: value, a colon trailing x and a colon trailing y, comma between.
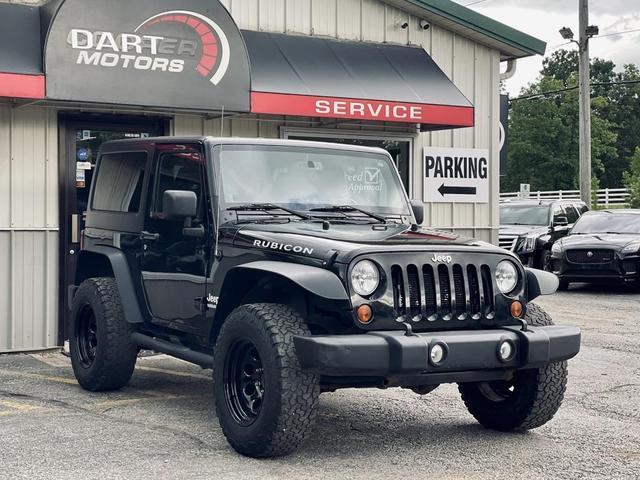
x: 122, y: 275
x: 315, y: 280
x: 540, y: 282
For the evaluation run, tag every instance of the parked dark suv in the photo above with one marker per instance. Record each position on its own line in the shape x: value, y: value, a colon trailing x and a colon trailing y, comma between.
x: 529, y: 228
x: 295, y: 268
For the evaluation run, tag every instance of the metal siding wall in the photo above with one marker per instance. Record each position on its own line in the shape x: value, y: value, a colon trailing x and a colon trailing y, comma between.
x: 28, y: 228
x: 472, y: 67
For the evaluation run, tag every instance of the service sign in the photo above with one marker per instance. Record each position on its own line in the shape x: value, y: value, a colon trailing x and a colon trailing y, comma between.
x: 458, y: 175
x: 163, y: 53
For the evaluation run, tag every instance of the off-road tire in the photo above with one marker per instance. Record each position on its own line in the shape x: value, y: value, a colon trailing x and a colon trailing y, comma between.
x: 537, y: 395
x: 290, y: 395
x: 115, y: 354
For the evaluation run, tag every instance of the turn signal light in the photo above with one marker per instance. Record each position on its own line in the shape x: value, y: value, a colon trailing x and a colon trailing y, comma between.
x: 364, y: 313
x: 516, y: 309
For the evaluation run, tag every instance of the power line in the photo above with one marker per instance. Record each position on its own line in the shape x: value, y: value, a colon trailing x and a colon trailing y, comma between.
x: 617, y: 33
x: 574, y: 87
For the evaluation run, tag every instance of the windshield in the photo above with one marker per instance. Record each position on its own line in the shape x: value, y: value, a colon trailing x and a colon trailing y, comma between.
x: 606, y: 222
x: 308, y: 178
x: 534, y: 215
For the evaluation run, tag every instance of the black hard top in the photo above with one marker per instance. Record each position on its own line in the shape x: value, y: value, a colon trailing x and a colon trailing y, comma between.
x: 129, y: 143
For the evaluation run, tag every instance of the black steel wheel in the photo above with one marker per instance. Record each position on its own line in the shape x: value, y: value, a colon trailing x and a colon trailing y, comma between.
x: 102, y: 354
x: 244, y: 382
x: 264, y: 401
x: 86, y: 336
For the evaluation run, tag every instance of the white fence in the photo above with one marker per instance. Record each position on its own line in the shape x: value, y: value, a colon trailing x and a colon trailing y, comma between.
x: 607, y: 197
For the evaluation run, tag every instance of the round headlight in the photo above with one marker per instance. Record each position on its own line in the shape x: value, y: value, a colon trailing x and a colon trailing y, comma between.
x: 365, y: 278
x: 506, y: 276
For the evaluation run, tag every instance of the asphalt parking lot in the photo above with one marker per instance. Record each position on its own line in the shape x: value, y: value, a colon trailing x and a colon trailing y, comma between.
x: 163, y: 425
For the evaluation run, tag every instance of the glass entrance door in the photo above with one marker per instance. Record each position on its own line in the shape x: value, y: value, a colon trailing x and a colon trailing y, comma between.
x: 82, y: 140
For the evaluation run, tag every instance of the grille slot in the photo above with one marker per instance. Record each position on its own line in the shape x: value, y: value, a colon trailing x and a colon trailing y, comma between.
x: 429, y: 290
x: 474, y: 291
x: 444, y: 292
x: 414, y: 289
x: 460, y: 308
x: 590, y: 256
x: 398, y: 288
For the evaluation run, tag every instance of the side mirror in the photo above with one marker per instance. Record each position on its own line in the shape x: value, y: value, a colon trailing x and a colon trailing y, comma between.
x: 179, y: 204
x: 561, y: 222
x: 418, y: 210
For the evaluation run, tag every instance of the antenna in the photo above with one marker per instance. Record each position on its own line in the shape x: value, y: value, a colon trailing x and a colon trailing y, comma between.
x: 219, y: 182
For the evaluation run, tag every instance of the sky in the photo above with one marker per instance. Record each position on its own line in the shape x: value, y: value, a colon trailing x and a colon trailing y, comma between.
x: 543, y: 18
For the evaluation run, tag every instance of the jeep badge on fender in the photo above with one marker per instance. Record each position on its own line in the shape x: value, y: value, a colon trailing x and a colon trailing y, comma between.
x: 295, y: 268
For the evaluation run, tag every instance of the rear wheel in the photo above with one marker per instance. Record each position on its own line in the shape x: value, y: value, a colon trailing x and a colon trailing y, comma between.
x: 102, y: 354
x: 264, y: 401
x: 529, y: 400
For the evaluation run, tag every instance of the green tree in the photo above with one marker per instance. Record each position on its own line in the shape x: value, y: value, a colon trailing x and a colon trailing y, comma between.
x: 632, y: 179
x: 543, y: 131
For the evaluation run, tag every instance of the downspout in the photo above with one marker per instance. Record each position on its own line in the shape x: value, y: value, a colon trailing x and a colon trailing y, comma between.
x: 510, y: 71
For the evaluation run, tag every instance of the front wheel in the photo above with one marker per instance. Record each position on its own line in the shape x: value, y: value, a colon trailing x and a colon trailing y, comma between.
x: 529, y: 400
x: 264, y: 401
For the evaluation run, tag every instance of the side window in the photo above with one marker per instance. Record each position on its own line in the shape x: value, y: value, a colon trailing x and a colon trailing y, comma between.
x: 572, y: 214
x: 118, y: 187
x: 178, y: 171
x: 582, y: 209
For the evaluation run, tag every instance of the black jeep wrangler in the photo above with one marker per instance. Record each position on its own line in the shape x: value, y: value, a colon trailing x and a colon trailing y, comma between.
x: 295, y: 268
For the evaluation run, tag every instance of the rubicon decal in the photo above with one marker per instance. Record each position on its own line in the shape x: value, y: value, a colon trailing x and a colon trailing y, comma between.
x: 283, y: 247
x: 147, y: 49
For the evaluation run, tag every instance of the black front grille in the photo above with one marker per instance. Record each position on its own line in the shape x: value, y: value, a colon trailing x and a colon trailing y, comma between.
x: 445, y: 292
x: 590, y: 256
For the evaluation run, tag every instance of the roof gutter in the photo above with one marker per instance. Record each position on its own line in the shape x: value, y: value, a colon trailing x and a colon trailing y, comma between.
x: 484, y: 25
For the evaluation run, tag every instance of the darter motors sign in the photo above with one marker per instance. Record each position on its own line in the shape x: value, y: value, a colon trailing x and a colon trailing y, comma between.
x: 456, y: 175
x: 181, y: 54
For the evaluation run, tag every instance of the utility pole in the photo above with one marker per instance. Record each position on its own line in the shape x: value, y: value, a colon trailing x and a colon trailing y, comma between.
x: 586, y: 33
x: 585, y: 104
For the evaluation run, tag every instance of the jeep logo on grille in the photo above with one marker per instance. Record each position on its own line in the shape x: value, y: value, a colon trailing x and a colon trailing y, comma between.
x: 441, y: 258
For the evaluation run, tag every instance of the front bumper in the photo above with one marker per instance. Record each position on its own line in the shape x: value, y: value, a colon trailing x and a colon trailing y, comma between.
x: 393, y: 354
x: 625, y: 269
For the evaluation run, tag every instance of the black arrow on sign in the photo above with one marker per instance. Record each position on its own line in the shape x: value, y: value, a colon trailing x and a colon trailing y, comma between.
x: 450, y: 190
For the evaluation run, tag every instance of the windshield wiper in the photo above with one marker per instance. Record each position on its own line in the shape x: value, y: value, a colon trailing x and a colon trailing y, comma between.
x: 344, y: 209
x: 267, y: 207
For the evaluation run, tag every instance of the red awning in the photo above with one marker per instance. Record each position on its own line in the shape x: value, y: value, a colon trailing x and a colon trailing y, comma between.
x: 319, y: 77
x: 21, y: 73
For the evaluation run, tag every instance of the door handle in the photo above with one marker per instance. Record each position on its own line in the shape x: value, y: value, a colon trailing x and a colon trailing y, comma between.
x: 75, y: 228
x: 151, y: 237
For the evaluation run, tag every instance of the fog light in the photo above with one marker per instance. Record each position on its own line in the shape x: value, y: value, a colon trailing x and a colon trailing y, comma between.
x: 506, y: 351
x: 364, y: 313
x: 516, y: 309
x: 437, y: 354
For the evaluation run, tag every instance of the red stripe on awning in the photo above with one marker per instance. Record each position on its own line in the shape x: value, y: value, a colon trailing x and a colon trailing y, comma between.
x: 14, y: 85
x: 360, y: 109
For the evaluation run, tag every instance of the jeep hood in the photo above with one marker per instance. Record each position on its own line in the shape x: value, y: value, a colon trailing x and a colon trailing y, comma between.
x: 350, y: 240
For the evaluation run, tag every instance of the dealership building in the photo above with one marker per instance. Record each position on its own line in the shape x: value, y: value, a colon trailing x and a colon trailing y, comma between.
x: 420, y: 78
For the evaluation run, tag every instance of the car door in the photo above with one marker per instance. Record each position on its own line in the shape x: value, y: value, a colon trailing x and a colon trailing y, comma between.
x: 174, y: 262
